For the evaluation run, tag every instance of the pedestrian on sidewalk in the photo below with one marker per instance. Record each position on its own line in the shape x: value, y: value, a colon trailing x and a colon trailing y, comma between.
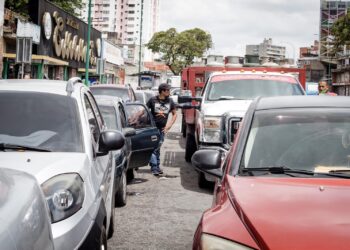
x: 160, y: 106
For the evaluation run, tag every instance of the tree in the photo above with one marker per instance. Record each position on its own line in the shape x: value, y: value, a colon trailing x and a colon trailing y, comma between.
x: 21, y: 6
x: 341, y: 33
x: 179, y: 50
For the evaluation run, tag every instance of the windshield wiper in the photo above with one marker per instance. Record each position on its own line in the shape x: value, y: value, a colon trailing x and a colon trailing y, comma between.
x: 4, y: 146
x: 286, y: 170
x: 279, y: 170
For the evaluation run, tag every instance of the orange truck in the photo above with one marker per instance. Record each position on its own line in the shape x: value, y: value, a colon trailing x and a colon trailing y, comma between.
x: 215, y: 99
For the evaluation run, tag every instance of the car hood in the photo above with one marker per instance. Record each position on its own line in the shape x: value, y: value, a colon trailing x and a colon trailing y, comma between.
x: 45, y: 165
x: 218, y: 108
x: 294, y: 213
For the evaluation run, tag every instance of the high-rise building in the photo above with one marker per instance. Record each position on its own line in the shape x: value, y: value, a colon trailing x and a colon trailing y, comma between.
x: 120, y: 21
x: 330, y: 12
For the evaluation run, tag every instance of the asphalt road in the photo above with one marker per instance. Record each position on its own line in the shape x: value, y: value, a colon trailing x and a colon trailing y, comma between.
x: 162, y: 212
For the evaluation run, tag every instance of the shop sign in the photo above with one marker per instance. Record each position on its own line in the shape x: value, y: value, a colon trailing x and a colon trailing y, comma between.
x: 112, y: 53
x: 69, y: 46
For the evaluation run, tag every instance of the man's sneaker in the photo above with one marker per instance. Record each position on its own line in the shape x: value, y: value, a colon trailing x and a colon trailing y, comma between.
x: 155, y: 173
x: 160, y: 171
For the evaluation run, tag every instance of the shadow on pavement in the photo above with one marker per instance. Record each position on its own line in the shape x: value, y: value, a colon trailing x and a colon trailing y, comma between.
x: 137, y: 181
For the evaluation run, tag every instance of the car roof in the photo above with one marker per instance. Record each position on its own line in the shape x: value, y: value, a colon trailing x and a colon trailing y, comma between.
x: 107, y: 99
x: 250, y: 72
x: 110, y: 86
x: 282, y: 102
x: 36, y: 85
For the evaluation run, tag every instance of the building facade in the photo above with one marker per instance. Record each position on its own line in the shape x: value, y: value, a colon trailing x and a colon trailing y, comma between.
x: 60, y: 52
x: 267, y: 51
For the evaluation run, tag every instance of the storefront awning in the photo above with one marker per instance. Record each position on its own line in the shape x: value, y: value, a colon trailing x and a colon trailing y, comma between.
x: 46, y: 59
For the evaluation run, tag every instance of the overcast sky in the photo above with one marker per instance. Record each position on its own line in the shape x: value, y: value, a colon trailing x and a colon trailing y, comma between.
x: 236, y: 23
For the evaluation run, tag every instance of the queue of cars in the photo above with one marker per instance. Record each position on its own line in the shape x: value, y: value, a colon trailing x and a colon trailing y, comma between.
x: 81, y: 153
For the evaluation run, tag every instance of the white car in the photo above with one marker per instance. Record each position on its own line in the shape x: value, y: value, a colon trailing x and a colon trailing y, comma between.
x: 54, y: 131
x: 24, y: 217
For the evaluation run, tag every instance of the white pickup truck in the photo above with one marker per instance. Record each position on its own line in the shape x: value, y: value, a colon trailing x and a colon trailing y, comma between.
x: 224, y: 100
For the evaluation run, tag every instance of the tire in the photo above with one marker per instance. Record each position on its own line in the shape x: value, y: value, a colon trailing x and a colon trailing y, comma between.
x: 103, y: 239
x: 183, y: 127
x: 120, y: 196
x: 130, y: 175
x: 190, y: 147
x: 111, y: 223
x: 202, y: 182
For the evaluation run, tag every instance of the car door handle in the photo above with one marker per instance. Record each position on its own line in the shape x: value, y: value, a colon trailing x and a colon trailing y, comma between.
x: 154, y: 138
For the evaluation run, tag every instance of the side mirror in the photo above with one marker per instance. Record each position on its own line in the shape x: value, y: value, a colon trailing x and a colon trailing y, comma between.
x: 110, y: 140
x: 208, y: 161
x: 127, y: 132
x: 185, y: 98
x: 188, y: 106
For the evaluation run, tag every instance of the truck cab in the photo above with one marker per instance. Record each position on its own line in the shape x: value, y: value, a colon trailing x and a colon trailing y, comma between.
x: 223, y: 102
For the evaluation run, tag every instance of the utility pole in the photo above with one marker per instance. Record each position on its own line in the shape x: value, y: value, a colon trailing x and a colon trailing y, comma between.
x: 88, y: 46
x: 140, y: 49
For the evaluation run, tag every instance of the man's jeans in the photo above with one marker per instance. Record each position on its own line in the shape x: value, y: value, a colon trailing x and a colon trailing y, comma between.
x: 155, y: 157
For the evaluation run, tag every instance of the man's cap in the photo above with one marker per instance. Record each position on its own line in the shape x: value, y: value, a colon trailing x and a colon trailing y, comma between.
x: 163, y: 86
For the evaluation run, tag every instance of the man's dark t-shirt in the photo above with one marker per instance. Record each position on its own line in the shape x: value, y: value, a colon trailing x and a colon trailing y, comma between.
x: 160, y: 110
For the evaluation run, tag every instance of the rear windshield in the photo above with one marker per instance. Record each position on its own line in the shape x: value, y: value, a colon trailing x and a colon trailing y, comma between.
x: 109, y: 116
x: 122, y: 93
x: 251, y: 86
x: 40, y: 120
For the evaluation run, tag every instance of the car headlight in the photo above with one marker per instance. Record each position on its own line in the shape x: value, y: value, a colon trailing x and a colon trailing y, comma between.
x: 210, y: 242
x: 64, y: 195
x: 212, y: 129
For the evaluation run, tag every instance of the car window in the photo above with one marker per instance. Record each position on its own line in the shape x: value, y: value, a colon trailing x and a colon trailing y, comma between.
x: 96, y: 111
x: 40, y: 120
x: 122, y: 93
x: 250, y: 87
x: 110, y: 116
x: 309, y: 140
x: 137, y: 116
x: 93, y: 124
x: 122, y: 117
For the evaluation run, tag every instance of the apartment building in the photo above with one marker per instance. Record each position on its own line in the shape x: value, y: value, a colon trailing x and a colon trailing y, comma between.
x: 267, y: 51
x: 120, y: 21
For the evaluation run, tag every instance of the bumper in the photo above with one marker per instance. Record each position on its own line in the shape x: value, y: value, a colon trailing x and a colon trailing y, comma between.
x: 73, y: 231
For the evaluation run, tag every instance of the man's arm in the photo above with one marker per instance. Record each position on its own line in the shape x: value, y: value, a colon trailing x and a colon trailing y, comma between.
x: 171, y: 122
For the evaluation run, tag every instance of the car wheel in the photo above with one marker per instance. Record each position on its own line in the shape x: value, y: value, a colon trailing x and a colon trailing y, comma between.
x: 111, y: 223
x: 103, y: 239
x: 120, y: 196
x: 190, y: 147
x: 202, y: 182
x: 130, y: 175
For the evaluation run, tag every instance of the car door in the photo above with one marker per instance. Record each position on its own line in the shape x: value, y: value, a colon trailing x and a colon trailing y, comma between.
x: 146, y: 138
x: 102, y: 168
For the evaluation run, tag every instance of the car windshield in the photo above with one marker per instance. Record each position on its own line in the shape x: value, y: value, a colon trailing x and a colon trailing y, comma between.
x: 139, y: 96
x: 109, y: 115
x: 312, y: 140
x: 122, y: 93
x: 40, y: 120
x: 227, y: 87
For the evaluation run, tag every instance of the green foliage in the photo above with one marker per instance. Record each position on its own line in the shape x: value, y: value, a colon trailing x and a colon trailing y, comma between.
x: 179, y: 50
x: 21, y: 6
x: 341, y: 32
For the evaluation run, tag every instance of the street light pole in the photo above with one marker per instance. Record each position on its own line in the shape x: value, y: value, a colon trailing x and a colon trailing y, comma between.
x: 140, y: 48
x: 88, y: 46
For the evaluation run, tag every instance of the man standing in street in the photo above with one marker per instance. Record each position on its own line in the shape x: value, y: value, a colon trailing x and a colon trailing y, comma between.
x: 160, y: 106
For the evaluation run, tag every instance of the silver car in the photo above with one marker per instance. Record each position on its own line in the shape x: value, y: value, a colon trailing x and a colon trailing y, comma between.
x: 54, y: 131
x: 24, y: 217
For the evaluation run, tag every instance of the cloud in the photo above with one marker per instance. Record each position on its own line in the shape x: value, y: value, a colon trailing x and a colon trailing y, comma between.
x: 236, y: 23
